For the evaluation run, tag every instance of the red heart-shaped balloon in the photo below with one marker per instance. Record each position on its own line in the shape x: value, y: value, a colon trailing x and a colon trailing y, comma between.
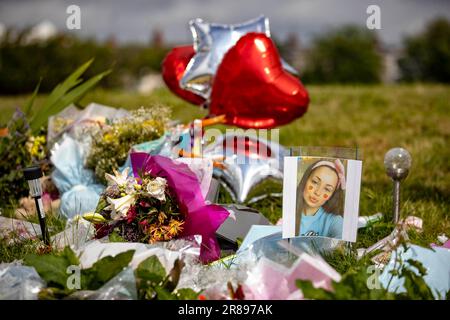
x: 251, y: 88
x: 173, y: 68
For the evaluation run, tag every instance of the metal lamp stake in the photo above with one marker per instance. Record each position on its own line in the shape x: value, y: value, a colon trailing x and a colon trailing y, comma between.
x: 33, y: 175
x: 397, y: 163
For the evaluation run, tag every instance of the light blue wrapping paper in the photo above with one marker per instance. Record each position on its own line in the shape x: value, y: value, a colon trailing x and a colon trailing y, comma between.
x: 163, y: 146
x: 151, y: 147
x: 436, y: 262
x: 268, y: 242
x: 79, y: 191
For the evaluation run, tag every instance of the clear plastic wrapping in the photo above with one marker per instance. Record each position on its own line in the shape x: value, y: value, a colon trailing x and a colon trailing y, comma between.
x: 19, y: 282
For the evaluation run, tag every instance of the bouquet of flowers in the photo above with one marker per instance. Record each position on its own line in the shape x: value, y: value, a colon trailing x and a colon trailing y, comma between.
x: 141, y: 211
x: 112, y: 142
x: 162, y: 201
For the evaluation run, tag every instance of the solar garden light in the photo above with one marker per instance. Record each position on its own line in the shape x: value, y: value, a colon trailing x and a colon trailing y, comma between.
x: 397, y: 163
x: 33, y: 175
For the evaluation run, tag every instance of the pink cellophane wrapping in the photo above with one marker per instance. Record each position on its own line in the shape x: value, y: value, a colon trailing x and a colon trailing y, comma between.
x: 203, y: 169
x: 272, y: 281
x: 200, y: 218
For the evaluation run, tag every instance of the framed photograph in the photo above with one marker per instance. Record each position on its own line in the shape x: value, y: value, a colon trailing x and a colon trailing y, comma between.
x: 321, y: 197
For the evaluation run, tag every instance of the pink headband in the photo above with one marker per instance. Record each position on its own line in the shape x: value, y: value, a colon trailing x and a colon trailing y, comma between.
x: 336, y: 165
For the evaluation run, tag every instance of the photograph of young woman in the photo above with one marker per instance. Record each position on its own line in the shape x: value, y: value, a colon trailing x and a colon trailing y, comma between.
x: 320, y: 200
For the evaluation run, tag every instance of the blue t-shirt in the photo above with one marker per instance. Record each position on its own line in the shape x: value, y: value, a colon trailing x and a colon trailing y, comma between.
x: 322, y: 224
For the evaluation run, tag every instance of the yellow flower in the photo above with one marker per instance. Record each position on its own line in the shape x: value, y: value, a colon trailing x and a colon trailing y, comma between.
x: 149, y: 123
x: 108, y: 137
x: 175, y: 227
x: 156, y: 234
x: 35, y: 150
x: 40, y: 140
x: 161, y: 217
x: 34, y: 146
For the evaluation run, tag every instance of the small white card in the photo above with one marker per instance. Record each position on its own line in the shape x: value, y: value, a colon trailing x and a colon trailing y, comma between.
x: 321, y: 197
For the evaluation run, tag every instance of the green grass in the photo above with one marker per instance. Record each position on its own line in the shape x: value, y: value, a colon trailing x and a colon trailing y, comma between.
x: 14, y: 248
x: 374, y: 118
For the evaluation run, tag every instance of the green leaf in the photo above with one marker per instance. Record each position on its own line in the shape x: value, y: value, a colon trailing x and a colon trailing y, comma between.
x: 152, y: 282
x: 418, y: 265
x: 29, y: 104
x: 115, y: 237
x: 102, y: 204
x: 53, y: 267
x: 77, y: 93
x: 151, y: 270
x: 310, y: 292
x: 52, y: 293
x: 163, y: 294
x: 174, y: 275
x: 70, y: 256
x: 358, y: 284
x: 353, y: 286
x: 187, y: 294
x: 150, y: 275
x: 415, y: 285
x: 71, y: 81
x: 104, y: 270
x: 69, y: 91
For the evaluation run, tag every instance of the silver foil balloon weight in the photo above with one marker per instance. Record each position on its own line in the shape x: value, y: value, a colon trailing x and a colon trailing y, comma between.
x: 397, y: 163
x: 252, y: 166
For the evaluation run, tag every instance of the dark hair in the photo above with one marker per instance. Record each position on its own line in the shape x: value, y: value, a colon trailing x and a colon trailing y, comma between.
x: 333, y: 205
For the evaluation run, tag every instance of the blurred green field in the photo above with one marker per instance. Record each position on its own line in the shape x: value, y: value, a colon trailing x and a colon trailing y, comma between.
x: 374, y: 118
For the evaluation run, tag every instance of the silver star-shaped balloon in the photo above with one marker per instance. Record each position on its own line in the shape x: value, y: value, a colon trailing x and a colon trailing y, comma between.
x: 249, y: 162
x: 211, y: 43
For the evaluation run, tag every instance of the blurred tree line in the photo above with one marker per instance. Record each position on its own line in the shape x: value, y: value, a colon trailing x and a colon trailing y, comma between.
x: 427, y: 55
x: 353, y: 54
x: 23, y: 65
x: 348, y: 54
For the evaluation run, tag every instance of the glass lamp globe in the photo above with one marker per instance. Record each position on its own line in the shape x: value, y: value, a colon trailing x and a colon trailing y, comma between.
x: 397, y: 163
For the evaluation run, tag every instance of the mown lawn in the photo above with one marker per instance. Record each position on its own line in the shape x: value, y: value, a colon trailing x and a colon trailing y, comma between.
x: 374, y: 118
